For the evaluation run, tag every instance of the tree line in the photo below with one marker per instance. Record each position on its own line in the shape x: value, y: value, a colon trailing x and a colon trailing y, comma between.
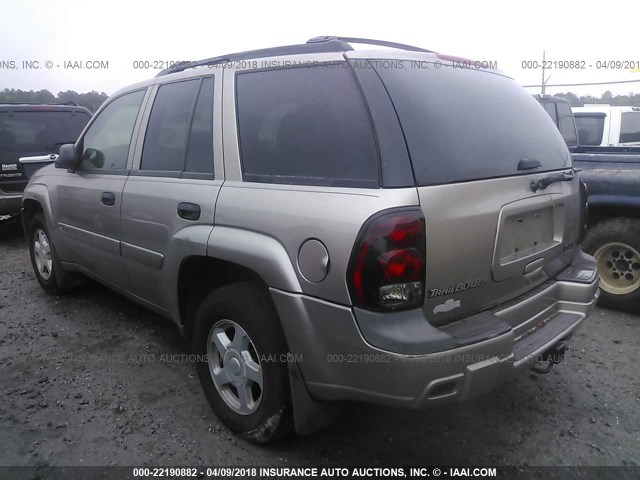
x: 91, y: 100
x: 632, y: 99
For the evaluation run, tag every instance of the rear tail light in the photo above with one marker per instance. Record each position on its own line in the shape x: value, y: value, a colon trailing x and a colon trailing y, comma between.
x: 387, y: 268
x: 584, y: 210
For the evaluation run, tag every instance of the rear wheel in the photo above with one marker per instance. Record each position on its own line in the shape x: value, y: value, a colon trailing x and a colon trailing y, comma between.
x: 242, y: 361
x: 615, y: 244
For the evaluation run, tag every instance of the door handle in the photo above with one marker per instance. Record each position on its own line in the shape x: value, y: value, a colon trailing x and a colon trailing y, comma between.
x: 108, y: 198
x: 189, y: 211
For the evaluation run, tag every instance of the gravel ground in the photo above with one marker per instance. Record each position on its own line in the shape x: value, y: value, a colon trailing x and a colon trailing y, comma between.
x: 94, y: 379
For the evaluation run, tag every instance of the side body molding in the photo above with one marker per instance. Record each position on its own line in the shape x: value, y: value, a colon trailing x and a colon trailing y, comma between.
x: 263, y: 254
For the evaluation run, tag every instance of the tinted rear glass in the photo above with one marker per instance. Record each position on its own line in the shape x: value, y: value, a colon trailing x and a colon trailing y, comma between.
x: 590, y: 128
x: 307, y: 126
x: 462, y: 124
x: 630, y: 127
x: 40, y: 131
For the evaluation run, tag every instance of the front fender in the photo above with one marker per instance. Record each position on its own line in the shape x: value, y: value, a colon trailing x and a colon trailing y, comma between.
x: 38, y: 192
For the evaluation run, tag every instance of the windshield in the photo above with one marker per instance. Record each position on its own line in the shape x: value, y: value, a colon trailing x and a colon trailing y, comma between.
x: 39, y: 131
x: 462, y: 124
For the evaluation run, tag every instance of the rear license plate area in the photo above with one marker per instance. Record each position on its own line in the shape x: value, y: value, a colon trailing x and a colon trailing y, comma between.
x: 525, y: 234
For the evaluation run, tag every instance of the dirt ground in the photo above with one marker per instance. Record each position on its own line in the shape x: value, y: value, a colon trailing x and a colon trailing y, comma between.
x: 94, y: 379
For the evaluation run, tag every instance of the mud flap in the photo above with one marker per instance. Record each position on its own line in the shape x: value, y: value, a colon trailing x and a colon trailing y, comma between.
x: 309, y: 415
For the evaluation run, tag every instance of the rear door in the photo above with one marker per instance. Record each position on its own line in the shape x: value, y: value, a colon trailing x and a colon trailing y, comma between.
x: 173, y: 186
x: 31, y: 131
x: 476, y: 141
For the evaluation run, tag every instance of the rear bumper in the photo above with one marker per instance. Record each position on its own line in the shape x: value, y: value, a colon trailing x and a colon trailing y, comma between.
x: 10, y: 203
x: 401, y: 360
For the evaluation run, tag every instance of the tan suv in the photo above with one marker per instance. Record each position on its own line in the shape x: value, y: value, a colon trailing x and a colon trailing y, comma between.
x: 327, y: 224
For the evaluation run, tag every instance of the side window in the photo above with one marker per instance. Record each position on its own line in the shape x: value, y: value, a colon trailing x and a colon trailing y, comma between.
x: 200, y: 149
x: 106, y: 143
x: 630, y: 127
x: 550, y: 107
x: 590, y: 128
x: 180, y: 130
x: 306, y: 126
x: 566, y: 124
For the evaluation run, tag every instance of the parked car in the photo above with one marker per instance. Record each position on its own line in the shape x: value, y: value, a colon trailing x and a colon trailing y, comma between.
x: 613, y: 235
x: 28, y: 130
x: 327, y: 224
x: 612, y: 175
x: 560, y: 112
x: 606, y: 125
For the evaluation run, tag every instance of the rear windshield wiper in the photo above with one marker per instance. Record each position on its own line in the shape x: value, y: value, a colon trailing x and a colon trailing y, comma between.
x: 543, y: 183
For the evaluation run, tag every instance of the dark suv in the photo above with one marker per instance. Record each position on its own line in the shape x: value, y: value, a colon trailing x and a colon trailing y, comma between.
x: 28, y: 130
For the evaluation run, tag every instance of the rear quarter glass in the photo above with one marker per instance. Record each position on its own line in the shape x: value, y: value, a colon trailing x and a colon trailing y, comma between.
x: 305, y: 126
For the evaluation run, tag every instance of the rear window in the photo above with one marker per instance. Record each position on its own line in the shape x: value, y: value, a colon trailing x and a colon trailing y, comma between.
x: 550, y: 107
x: 462, y: 124
x: 306, y: 126
x: 165, y: 144
x: 590, y: 128
x: 40, y: 131
x: 566, y: 124
x: 630, y: 127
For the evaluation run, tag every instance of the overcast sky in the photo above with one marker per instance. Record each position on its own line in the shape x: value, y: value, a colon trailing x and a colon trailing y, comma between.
x: 121, y: 32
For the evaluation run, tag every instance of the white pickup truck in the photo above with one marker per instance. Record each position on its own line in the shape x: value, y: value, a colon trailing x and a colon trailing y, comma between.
x: 605, y: 125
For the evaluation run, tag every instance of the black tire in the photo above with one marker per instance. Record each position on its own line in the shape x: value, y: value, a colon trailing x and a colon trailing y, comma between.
x: 615, y: 243
x: 58, y: 281
x: 248, y: 305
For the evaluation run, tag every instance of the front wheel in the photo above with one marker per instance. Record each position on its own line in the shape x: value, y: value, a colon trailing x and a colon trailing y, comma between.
x: 46, y: 266
x: 242, y: 366
x: 615, y: 244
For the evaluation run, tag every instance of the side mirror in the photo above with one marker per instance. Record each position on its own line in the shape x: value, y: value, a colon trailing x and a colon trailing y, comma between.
x: 94, y: 157
x: 68, y: 158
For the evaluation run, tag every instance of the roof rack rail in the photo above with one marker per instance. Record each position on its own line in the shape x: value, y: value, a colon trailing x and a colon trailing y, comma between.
x: 70, y: 103
x: 321, y: 44
x: 328, y: 46
x: 369, y: 41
